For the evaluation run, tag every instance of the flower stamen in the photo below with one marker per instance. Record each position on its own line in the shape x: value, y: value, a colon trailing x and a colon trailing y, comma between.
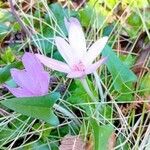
x: 79, y: 67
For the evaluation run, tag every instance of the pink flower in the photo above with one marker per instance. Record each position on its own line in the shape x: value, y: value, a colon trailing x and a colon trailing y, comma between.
x: 79, y: 60
x: 32, y: 81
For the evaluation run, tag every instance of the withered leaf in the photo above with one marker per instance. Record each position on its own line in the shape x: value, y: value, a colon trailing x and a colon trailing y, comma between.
x: 70, y: 142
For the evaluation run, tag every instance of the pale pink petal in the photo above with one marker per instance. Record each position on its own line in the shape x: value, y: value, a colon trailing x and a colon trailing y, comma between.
x: 65, y: 50
x: 95, y: 50
x: 75, y: 74
x: 76, y: 37
x: 43, y: 82
x: 36, y: 72
x: 92, y: 68
x: 53, y: 64
x: 20, y: 92
x: 32, y: 64
x: 24, y: 80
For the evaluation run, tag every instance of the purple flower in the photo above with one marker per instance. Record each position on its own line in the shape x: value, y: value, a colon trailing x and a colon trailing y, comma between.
x: 32, y: 81
x: 79, y: 59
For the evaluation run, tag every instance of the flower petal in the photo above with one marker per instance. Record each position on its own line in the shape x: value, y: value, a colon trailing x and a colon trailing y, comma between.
x: 36, y: 71
x: 95, y: 50
x: 92, y: 68
x: 76, y: 37
x: 32, y: 64
x: 25, y: 81
x: 20, y: 92
x: 43, y: 82
x: 53, y: 64
x: 65, y: 50
x: 75, y: 74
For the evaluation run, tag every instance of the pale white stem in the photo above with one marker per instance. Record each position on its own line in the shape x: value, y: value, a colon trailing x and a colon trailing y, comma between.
x: 98, y: 82
x: 87, y: 89
x: 67, y: 113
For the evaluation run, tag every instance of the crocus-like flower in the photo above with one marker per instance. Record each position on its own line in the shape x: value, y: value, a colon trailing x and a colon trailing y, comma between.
x: 32, y: 81
x: 79, y: 59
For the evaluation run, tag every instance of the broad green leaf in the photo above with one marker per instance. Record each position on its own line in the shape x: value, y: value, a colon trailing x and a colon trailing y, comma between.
x: 3, y: 28
x: 6, y: 15
x: 36, y: 107
x: 5, y: 133
x: 86, y: 15
x: 134, y: 24
x: 128, y: 60
x: 80, y: 96
x: 101, y: 135
x: 99, y: 8
x: 108, y: 29
x: 111, y: 3
x: 120, y: 72
x: 56, y: 26
x: 107, y: 111
x: 5, y: 71
x: 126, y: 93
x: 59, y: 14
x: 145, y: 84
x: 11, y: 83
x: 134, y: 20
x: 8, y: 56
x: 45, y: 40
x: 136, y: 3
x: 3, y: 31
x: 133, y: 31
x: 16, y: 27
x: 91, y: 15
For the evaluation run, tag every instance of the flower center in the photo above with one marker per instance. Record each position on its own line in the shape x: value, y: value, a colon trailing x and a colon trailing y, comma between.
x: 79, y: 67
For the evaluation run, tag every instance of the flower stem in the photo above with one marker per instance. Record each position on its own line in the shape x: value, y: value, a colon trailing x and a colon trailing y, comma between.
x: 98, y: 82
x: 66, y: 113
x: 87, y: 89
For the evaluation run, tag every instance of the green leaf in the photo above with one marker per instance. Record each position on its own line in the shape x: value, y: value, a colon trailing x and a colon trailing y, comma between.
x: 108, y: 29
x: 8, y: 56
x: 6, y: 15
x: 128, y: 60
x: 122, y: 139
x: 59, y: 14
x: 3, y: 31
x: 5, y: 133
x: 101, y: 135
x: 111, y: 3
x: 107, y: 111
x: 137, y: 3
x: 126, y: 93
x: 134, y: 20
x: 3, y: 28
x: 120, y: 72
x: 145, y: 84
x: 98, y: 8
x: 5, y: 71
x: 36, y: 107
x: 79, y: 96
x: 88, y: 15
x: 45, y: 40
